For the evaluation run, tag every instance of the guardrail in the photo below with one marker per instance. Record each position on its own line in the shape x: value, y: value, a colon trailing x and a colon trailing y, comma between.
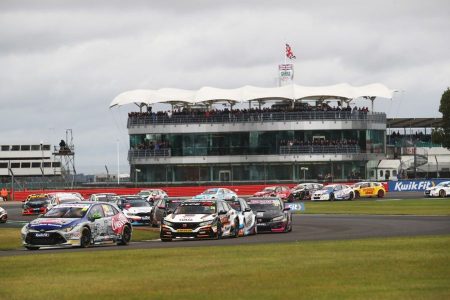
x: 150, y: 119
x: 142, y: 153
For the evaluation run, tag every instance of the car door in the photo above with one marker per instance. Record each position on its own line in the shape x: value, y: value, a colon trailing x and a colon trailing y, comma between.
x: 248, y: 215
x: 338, y: 192
x: 98, y: 224
x: 109, y: 212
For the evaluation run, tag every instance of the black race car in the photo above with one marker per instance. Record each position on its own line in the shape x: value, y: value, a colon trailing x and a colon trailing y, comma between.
x: 304, y: 191
x: 271, y: 215
x: 161, y: 209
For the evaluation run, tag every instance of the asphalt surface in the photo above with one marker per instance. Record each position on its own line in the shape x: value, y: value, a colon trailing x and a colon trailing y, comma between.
x: 305, y: 228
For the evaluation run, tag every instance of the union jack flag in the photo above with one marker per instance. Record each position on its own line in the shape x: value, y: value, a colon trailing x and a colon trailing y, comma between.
x: 289, y: 53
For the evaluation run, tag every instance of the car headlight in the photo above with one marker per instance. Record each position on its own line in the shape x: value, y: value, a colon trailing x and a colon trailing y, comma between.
x: 277, y: 219
x: 25, y: 229
x: 206, y: 223
x: 165, y: 222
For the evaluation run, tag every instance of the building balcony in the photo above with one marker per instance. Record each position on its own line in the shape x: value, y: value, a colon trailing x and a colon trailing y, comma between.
x: 145, y: 119
x: 320, y: 149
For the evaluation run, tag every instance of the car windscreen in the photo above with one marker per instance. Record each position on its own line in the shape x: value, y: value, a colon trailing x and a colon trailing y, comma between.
x: 300, y: 187
x: 43, y: 199
x: 235, y: 205
x: 328, y: 188
x: 196, y: 208
x: 147, y: 193
x: 102, y: 198
x: 264, y: 205
x: 444, y: 184
x: 171, y: 205
x: 67, y: 212
x: 210, y: 192
x: 142, y: 203
x: 269, y: 189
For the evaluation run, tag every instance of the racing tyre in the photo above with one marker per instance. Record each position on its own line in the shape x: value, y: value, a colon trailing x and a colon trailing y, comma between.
x: 331, y: 197
x: 4, y: 219
x: 85, y: 240
x: 126, y: 236
x: 442, y: 194
x: 31, y: 248
x: 380, y: 194
x: 351, y: 196
x: 219, y: 231
x: 356, y: 195
x: 236, y: 228
x: 290, y: 198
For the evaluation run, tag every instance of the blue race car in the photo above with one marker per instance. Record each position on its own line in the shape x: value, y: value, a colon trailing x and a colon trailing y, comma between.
x: 78, y: 224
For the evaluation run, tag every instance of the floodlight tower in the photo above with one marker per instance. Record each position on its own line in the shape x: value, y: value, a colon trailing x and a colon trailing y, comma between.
x: 65, y: 153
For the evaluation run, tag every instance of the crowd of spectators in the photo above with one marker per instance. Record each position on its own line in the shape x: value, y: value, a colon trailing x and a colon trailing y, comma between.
x: 238, y: 112
x: 319, y: 142
x: 418, y: 136
x: 153, y: 145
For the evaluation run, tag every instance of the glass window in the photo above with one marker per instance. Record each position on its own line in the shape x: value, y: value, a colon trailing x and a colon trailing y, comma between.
x: 394, y: 173
x: 35, y: 147
x: 5, y: 148
x: 15, y: 148
x: 25, y: 148
x: 47, y: 164
x: 381, y: 173
x: 3, y: 165
x: 26, y: 165
x: 56, y: 164
x: 108, y: 209
x: 97, y: 209
x: 35, y: 164
x: 15, y: 165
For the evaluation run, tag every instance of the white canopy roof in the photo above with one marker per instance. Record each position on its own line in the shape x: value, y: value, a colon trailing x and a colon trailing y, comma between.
x: 342, y: 91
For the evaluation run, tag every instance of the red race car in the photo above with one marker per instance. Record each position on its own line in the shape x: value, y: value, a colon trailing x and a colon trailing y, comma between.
x: 280, y: 191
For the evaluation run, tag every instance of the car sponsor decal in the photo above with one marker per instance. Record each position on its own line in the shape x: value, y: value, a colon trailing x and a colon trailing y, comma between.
x: 118, y: 222
x: 412, y: 185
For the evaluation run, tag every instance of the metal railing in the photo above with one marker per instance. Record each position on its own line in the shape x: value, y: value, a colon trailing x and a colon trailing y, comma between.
x: 320, y: 149
x: 142, y: 153
x: 152, y: 119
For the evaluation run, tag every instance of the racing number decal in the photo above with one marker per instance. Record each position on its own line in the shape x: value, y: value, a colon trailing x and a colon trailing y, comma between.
x: 368, y: 191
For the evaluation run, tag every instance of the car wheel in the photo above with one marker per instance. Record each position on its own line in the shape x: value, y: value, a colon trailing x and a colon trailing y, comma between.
x: 290, y: 198
x: 356, y: 195
x: 331, y: 197
x: 351, y: 196
x: 380, y: 194
x: 85, y: 240
x: 442, y: 194
x: 4, y: 219
x: 126, y: 236
x: 236, y: 228
x: 219, y: 231
x: 255, y: 229
x: 31, y: 248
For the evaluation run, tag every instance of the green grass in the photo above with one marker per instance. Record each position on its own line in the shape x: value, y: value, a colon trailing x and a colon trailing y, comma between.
x: 389, y: 268
x: 426, y: 207
x: 10, y: 237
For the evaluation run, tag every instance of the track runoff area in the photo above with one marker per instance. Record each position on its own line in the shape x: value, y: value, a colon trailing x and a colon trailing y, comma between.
x: 398, y: 214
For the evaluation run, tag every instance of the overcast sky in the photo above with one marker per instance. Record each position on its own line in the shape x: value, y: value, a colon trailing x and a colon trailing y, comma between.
x: 63, y: 62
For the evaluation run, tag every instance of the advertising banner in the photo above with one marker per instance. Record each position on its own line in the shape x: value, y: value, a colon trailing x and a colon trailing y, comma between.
x: 286, y: 72
x: 299, y: 206
x: 412, y: 185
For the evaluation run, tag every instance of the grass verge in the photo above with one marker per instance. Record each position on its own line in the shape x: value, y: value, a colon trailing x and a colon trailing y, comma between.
x: 390, y: 268
x: 10, y: 237
x: 425, y: 207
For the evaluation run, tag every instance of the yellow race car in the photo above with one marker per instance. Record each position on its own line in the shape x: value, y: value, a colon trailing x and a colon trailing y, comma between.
x: 369, y: 189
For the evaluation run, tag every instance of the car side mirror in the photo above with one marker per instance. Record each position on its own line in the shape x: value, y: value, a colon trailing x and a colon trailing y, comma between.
x: 222, y: 212
x: 286, y: 209
x: 94, y: 217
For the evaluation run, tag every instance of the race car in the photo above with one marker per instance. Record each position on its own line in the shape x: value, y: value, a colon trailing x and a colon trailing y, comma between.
x: 77, y: 224
x: 304, y: 191
x: 3, y: 215
x: 271, y: 215
x: 440, y: 190
x: 137, y: 211
x: 102, y: 197
x: 200, y: 219
x: 247, y: 219
x: 368, y: 189
x: 36, y: 204
x: 152, y: 195
x: 161, y: 209
x: 216, y: 193
x: 63, y: 197
x: 334, y: 192
x: 280, y: 191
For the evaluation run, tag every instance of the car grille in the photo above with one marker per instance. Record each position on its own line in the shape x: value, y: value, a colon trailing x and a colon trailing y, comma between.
x: 35, y: 205
x: 185, y: 225
x: 263, y: 220
x: 54, y: 238
x: 143, y: 214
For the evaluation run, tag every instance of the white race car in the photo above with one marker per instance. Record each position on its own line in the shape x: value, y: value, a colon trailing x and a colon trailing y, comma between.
x: 334, y: 192
x: 440, y: 190
x: 247, y: 218
x: 216, y: 193
x: 137, y: 211
x: 200, y: 219
x: 3, y: 215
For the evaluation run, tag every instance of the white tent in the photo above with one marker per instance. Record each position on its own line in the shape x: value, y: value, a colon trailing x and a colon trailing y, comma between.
x: 292, y: 92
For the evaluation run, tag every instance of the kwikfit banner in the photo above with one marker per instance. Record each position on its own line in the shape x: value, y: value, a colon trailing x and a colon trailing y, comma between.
x: 412, y: 185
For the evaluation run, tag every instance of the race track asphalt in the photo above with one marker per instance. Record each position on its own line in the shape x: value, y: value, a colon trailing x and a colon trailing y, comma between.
x: 305, y: 228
